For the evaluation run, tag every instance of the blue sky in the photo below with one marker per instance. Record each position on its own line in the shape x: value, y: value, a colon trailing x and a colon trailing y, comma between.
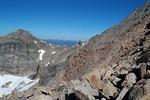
x: 63, y: 19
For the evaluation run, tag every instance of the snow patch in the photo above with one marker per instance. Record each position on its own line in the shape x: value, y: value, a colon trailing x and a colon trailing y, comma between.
x: 41, y: 54
x: 53, y: 52
x: 75, y: 45
x: 83, y: 43
x: 16, y: 83
x: 51, y: 45
x: 35, y: 41
x: 53, y: 61
x: 64, y: 60
x: 43, y: 41
x: 47, y: 64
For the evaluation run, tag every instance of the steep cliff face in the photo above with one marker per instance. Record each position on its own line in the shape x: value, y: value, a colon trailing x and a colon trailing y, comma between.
x: 21, y: 53
x: 18, y: 52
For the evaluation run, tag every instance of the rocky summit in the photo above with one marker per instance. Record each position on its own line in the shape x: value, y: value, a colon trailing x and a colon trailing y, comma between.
x: 114, y: 65
x: 21, y: 53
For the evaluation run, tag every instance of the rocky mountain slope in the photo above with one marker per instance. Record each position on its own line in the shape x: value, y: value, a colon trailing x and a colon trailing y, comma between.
x: 113, y: 46
x: 20, y: 53
x: 23, y: 55
x: 114, y: 65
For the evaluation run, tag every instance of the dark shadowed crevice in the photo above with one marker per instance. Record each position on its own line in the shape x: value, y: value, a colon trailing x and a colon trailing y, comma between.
x: 147, y: 33
x: 122, y: 77
x: 148, y: 26
x: 71, y: 96
x: 45, y: 93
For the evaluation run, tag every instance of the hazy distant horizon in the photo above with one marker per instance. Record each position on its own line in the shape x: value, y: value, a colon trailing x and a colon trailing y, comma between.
x: 63, y: 19
x: 57, y: 42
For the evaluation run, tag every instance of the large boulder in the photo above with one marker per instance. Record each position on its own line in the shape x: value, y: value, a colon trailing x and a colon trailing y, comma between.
x: 139, y: 92
x: 129, y: 80
x: 105, y: 85
x: 109, y: 90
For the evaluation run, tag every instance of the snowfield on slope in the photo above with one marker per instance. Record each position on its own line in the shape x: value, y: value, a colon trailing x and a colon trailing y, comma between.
x: 41, y: 53
x: 9, y: 83
x: 53, y: 52
x: 35, y: 41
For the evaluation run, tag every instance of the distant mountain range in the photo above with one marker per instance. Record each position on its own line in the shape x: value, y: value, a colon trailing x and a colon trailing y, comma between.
x: 56, y: 42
